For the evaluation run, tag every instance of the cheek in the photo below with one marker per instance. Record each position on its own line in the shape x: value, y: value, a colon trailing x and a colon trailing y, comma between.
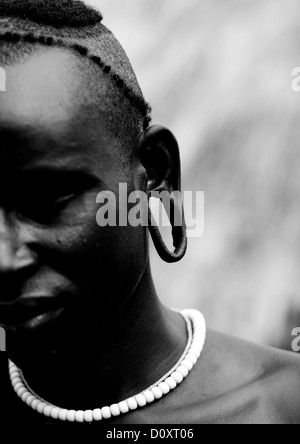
x: 94, y: 259
x: 85, y: 242
x: 94, y: 256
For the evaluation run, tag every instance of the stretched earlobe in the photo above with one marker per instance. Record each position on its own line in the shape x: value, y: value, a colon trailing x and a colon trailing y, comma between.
x: 179, y: 241
x: 160, y: 156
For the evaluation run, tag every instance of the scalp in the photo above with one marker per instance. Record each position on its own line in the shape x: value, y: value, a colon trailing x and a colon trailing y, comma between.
x: 48, y: 23
x: 99, y: 62
x: 89, y: 93
x: 53, y: 12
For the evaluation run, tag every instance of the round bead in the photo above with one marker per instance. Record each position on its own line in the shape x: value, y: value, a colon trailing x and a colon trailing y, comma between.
x: 178, y: 377
x: 62, y: 415
x: 25, y: 396
x: 123, y: 406
x: 21, y: 391
x: 183, y: 370
x: 15, y: 380
x: 199, y: 347
x: 106, y: 413
x: 35, y: 404
x: 195, y: 320
x: 47, y: 411
x: 192, y: 358
x: 97, y: 415
x: 164, y: 388
x: 132, y: 404
x: 18, y: 386
x: 149, y: 396
x: 55, y: 413
x: 30, y: 400
x: 41, y: 407
x: 71, y: 415
x: 157, y: 393
x: 198, y: 344
x: 196, y: 340
x: 88, y: 416
x: 188, y: 364
x: 141, y: 400
x: 79, y: 416
x: 199, y: 331
x: 195, y: 351
x: 171, y: 383
x: 114, y: 409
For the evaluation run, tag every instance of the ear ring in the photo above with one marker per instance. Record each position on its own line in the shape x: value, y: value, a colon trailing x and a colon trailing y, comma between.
x: 178, y: 233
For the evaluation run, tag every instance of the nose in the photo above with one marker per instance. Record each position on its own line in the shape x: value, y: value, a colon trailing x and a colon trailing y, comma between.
x: 16, y: 260
x: 13, y: 257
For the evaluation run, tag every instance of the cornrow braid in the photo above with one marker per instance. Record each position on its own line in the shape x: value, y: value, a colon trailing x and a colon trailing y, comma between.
x: 53, y: 12
x: 92, y: 40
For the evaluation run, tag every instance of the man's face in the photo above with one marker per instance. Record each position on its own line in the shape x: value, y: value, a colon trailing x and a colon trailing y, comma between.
x: 61, y: 275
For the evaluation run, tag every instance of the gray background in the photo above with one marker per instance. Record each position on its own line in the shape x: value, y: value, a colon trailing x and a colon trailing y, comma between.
x: 218, y: 73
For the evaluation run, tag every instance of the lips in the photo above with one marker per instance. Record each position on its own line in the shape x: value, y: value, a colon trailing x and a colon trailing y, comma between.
x: 30, y: 310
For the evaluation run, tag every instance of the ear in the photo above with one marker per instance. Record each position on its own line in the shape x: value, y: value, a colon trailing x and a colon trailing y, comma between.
x: 159, y: 155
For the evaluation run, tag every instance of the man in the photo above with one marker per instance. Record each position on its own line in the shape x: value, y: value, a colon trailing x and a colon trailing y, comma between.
x: 84, y: 325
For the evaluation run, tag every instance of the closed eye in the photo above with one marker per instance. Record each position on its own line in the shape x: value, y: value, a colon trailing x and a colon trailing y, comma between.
x: 44, y: 200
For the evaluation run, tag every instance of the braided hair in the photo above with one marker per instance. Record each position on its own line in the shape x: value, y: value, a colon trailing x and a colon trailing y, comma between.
x: 74, y: 25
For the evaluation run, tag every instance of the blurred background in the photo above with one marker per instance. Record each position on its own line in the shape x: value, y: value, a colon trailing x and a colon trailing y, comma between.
x: 218, y: 73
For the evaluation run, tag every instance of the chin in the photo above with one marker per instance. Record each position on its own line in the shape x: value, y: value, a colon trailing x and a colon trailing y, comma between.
x: 35, y: 339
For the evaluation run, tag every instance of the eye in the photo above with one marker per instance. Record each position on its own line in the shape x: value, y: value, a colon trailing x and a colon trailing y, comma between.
x: 63, y: 200
x: 45, y: 206
x: 46, y: 197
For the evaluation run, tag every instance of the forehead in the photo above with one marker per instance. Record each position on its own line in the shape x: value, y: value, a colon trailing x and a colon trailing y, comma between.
x: 46, y: 87
x: 48, y: 110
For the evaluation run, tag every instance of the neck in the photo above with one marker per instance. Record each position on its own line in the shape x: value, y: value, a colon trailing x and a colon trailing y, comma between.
x: 144, y: 343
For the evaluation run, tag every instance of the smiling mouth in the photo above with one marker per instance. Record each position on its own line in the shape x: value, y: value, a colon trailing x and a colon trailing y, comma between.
x: 41, y: 319
x: 31, y: 312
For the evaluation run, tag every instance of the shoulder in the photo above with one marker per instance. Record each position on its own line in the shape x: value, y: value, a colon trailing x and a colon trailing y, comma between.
x: 259, y: 384
x: 282, y: 376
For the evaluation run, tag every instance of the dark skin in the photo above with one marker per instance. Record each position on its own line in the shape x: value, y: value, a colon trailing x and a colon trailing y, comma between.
x: 107, y: 334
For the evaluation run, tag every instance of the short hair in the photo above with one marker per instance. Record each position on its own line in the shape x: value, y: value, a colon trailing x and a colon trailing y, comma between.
x: 73, y: 25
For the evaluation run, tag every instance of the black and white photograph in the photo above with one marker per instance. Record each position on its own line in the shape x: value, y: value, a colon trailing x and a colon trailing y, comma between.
x: 149, y: 215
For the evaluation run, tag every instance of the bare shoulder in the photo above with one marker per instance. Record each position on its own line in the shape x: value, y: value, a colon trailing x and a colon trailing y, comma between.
x: 249, y: 383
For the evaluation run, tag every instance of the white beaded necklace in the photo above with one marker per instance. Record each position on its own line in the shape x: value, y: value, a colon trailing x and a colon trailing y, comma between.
x: 196, y: 328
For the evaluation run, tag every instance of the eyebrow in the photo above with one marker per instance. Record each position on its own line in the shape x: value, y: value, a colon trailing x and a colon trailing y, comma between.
x: 45, y: 171
x: 57, y: 176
